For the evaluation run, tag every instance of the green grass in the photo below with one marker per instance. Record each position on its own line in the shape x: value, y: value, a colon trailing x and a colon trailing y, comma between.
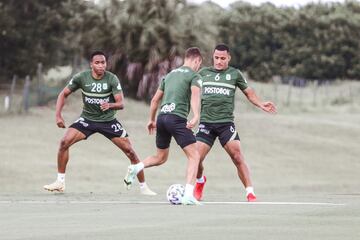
x: 307, y: 149
x: 296, y: 156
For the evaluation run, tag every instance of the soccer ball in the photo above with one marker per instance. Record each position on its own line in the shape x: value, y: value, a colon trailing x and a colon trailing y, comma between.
x: 175, y: 193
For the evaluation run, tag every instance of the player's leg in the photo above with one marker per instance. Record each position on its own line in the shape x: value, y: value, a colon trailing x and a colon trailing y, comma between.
x: 193, y: 160
x: 185, y: 138
x: 125, y: 145
x: 205, y: 139
x: 115, y: 132
x: 71, y: 136
x: 155, y: 160
x: 233, y: 148
x: 203, y: 149
x: 229, y: 139
x: 163, y: 139
x: 158, y: 159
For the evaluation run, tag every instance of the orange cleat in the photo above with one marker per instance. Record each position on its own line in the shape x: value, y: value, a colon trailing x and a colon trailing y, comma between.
x: 251, y: 197
x: 198, y: 190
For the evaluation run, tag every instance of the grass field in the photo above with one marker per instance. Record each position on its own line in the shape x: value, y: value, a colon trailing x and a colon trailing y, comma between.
x: 305, y: 168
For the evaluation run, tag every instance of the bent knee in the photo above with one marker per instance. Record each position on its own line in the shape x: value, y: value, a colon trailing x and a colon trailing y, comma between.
x: 162, y: 160
x: 64, y: 144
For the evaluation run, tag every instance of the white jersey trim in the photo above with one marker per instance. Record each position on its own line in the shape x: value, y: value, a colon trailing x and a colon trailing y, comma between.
x: 219, y: 84
x: 96, y: 94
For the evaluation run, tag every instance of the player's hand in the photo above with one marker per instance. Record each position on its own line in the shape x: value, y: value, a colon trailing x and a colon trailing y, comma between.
x: 151, y: 126
x: 105, y: 106
x: 192, y: 123
x: 60, y: 122
x: 268, y: 107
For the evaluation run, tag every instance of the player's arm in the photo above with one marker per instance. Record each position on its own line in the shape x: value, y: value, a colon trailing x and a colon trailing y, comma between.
x: 195, y: 106
x: 59, y: 106
x: 117, y: 105
x: 116, y: 89
x: 254, y: 99
x: 155, y: 101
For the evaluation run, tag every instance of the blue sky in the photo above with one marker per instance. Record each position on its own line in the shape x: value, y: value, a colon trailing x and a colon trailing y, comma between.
x: 225, y: 3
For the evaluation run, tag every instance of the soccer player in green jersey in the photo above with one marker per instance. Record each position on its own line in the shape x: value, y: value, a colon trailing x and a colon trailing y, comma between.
x: 102, y: 96
x: 178, y: 92
x: 217, y: 118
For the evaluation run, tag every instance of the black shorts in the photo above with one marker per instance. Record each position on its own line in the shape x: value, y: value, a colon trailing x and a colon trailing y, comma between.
x: 109, y: 129
x: 170, y: 125
x: 208, y: 132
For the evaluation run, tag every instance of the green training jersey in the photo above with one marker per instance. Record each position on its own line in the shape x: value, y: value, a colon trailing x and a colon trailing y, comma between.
x: 95, y: 92
x: 218, y: 93
x: 177, y: 91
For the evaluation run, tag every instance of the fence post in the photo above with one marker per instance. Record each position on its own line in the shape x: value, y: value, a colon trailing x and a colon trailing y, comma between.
x: 276, y: 81
x: 26, y: 94
x: 351, y: 95
x: 316, y: 86
x: 7, y: 103
x: 326, y: 90
x: 39, y: 76
x: 302, y: 85
x: 12, y: 90
x: 8, y: 98
x: 288, y: 101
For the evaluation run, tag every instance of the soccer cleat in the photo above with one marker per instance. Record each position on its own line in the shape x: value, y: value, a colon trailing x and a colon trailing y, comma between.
x: 198, y: 190
x: 130, y: 176
x: 55, y: 186
x: 251, y: 197
x: 189, y: 200
x: 147, y: 191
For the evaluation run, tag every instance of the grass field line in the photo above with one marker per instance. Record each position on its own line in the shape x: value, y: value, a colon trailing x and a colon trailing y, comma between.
x: 164, y: 202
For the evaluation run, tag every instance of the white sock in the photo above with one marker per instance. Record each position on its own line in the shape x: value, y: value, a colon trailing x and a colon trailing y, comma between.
x: 143, y: 185
x: 249, y: 190
x: 200, y: 180
x: 139, y: 166
x: 189, y: 190
x: 61, y: 177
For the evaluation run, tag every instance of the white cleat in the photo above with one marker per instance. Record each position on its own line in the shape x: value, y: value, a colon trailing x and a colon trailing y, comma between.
x: 55, y: 186
x: 189, y: 200
x: 147, y: 191
x: 130, y: 176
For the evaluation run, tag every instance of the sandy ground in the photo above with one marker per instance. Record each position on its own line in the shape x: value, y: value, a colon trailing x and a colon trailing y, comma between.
x: 295, y: 158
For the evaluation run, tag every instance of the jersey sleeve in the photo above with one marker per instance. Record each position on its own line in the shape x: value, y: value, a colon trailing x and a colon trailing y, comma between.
x: 162, y: 84
x: 75, y: 82
x: 241, y: 81
x: 115, y: 85
x: 196, y: 80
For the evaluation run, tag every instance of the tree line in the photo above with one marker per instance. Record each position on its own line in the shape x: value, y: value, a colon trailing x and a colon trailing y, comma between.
x: 146, y: 38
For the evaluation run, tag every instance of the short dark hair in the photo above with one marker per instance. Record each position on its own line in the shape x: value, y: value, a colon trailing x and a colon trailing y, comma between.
x: 97, y: 52
x: 222, y: 47
x: 193, y: 52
